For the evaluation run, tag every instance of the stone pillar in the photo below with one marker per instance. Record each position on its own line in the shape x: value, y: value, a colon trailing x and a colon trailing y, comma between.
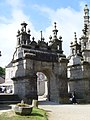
x: 46, y: 89
x: 26, y: 88
x: 63, y: 81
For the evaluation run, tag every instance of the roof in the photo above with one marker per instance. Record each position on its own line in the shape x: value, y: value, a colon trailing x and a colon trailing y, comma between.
x: 2, y: 80
x: 9, y: 65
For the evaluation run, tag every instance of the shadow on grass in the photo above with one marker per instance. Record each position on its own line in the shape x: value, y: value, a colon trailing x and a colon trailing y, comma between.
x: 36, y: 114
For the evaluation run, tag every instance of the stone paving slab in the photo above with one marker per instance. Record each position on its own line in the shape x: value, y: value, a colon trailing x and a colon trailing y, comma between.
x: 66, y: 112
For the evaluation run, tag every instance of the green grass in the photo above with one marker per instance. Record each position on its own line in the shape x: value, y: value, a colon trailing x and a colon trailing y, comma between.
x: 37, y: 114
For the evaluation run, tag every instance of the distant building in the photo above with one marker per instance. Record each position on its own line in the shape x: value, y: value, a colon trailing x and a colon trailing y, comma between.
x: 9, y: 73
x: 2, y: 80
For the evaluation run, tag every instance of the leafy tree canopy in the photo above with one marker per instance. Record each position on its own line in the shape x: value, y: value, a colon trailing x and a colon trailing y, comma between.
x: 2, y: 71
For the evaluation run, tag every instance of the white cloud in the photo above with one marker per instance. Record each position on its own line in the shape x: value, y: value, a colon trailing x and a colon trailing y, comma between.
x: 68, y: 21
x: 15, y: 4
x: 8, y: 31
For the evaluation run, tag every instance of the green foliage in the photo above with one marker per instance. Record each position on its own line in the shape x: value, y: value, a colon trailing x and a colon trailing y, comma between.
x: 2, y: 71
x: 37, y: 114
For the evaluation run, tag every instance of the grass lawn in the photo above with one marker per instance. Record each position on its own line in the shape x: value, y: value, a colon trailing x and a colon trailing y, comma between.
x: 37, y: 114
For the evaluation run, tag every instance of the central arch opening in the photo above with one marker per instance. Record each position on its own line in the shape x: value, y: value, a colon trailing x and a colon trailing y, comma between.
x: 47, y: 86
x: 42, y: 85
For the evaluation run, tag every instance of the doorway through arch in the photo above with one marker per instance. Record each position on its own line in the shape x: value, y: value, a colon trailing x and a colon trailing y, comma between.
x: 42, y: 85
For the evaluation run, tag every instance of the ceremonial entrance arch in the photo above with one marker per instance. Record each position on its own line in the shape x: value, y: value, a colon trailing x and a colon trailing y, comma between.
x: 31, y: 57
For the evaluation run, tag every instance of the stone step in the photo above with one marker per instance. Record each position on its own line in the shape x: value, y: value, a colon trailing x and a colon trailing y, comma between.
x: 9, y: 102
x: 82, y: 101
x: 9, y: 98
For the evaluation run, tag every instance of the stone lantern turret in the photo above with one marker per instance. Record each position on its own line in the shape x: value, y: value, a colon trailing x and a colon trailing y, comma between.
x: 23, y: 36
x: 55, y: 42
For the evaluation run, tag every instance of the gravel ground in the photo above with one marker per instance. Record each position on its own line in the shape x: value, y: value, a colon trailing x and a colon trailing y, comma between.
x: 66, y: 112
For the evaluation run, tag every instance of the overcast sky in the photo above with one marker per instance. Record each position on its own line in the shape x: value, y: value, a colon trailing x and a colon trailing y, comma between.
x: 39, y: 15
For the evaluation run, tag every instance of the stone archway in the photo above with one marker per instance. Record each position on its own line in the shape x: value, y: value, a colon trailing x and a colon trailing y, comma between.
x: 47, y: 73
x: 31, y: 57
x: 26, y: 84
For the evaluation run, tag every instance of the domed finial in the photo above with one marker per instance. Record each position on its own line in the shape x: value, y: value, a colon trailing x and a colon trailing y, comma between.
x: 60, y: 37
x: 33, y: 38
x: 41, y: 35
x: 55, y: 25
x: 18, y: 32
x: 24, y: 26
x: 75, y: 34
x: 50, y: 37
x: 22, y: 29
x: 86, y: 10
x: 75, y: 37
x: 86, y: 7
x: 85, y: 30
x: 55, y: 31
x: 71, y: 43
x: 29, y: 31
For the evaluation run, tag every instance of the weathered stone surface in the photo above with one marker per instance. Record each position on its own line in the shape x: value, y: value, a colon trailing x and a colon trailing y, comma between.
x: 23, y: 110
x: 79, y: 63
x: 31, y: 57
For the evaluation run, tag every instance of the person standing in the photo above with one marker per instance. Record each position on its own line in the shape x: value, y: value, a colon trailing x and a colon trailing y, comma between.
x: 74, y: 101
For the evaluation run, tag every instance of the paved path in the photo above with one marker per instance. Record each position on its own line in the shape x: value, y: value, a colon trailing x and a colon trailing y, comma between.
x: 66, y: 112
x: 61, y: 112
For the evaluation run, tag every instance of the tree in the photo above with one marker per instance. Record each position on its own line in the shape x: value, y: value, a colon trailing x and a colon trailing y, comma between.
x: 2, y: 71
